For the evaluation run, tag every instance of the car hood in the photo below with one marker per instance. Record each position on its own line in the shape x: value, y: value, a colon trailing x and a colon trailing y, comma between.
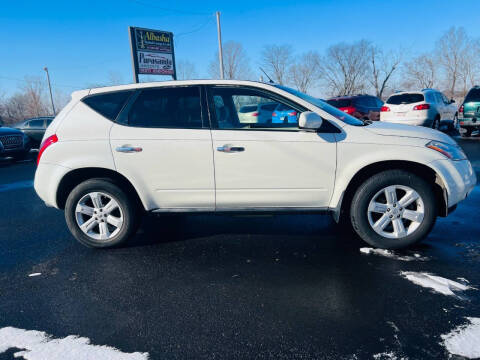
x: 401, y: 130
x: 9, y: 131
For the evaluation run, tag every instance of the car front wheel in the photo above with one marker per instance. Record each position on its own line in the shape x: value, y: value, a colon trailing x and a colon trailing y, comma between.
x: 393, y: 209
x: 100, y: 214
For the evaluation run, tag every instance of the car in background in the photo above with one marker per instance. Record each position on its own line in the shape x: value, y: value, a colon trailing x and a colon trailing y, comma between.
x: 13, y: 143
x: 284, y: 114
x: 257, y: 113
x: 35, y: 128
x: 469, y: 112
x: 364, y: 107
x: 428, y: 107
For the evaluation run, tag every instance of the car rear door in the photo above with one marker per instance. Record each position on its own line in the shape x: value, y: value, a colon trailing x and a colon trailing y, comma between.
x: 267, y: 166
x: 162, y: 144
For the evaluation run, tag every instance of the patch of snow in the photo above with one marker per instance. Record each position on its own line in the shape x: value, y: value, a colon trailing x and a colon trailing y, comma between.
x: 436, y: 283
x: 390, y: 254
x: 34, y: 274
x: 387, y: 356
x: 37, y: 345
x: 464, y: 340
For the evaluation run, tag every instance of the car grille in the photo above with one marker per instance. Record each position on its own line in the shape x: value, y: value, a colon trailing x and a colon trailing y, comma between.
x: 11, y: 141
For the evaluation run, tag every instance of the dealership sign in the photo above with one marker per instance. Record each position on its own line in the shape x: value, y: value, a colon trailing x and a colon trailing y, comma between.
x: 152, y: 52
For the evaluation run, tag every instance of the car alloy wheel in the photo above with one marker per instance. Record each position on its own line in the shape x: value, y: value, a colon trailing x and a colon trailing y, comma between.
x: 99, y: 215
x: 396, y: 211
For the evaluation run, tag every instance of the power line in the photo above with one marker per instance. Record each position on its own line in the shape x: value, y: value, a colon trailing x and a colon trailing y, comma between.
x: 195, y: 29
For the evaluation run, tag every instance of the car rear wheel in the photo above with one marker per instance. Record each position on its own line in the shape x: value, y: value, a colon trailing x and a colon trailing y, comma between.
x: 100, y: 214
x: 393, y: 209
x: 466, y: 132
x: 436, y: 123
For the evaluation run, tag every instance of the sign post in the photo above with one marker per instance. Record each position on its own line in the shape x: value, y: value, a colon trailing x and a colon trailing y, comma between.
x: 152, y: 52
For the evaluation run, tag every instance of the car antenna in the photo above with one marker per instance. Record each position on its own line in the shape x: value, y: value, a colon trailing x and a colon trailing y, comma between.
x: 269, y: 78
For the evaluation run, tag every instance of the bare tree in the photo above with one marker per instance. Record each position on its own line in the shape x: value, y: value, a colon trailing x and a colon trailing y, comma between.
x: 235, y: 62
x: 34, y: 92
x: 470, y: 66
x: 276, y: 60
x: 186, y: 70
x: 421, y: 72
x: 382, y: 67
x: 345, y: 68
x: 451, y: 50
x: 305, y: 73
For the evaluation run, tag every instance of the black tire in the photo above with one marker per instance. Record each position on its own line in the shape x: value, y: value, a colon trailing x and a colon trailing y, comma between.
x: 436, y: 123
x: 21, y: 156
x: 129, y: 208
x: 467, y: 133
x: 367, y: 190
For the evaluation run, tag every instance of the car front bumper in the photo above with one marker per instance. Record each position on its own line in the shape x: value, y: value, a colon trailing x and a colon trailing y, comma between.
x: 458, y: 177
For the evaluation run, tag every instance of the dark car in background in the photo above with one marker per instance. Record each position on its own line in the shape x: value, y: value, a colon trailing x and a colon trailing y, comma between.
x: 365, y: 107
x: 469, y: 112
x: 13, y: 143
x: 35, y: 128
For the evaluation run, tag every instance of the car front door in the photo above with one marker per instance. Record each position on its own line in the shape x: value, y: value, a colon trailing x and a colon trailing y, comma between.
x: 162, y: 144
x: 267, y: 166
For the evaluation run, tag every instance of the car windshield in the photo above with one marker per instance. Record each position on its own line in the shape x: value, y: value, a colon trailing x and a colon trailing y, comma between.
x: 338, y: 114
x: 405, y: 99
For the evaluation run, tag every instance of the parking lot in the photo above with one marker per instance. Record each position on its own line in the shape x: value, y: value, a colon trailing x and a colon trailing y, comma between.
x: 220, y: 287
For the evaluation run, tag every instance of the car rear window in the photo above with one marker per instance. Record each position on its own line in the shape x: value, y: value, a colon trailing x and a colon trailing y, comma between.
x: 248, y: 108
x: 473, y: 95
x: 340, y: 103
x: 108, y: 104
x: 269, y: 107
x: 405, y: 99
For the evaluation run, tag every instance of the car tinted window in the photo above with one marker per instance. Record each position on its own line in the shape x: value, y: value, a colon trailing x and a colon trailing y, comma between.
x: 405, y: 99
x: 369, y: 101
x: 340, y: 103
x: 108, y: 104
x: 167, y: 108
x: 36, y: 123
x: 473, y: 95
x: 49, y: 122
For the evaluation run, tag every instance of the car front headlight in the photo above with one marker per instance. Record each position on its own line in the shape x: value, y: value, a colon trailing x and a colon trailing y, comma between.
x: 452, y: 152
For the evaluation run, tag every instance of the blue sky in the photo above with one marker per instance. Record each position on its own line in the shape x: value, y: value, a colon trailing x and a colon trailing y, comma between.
x: 82, y: 42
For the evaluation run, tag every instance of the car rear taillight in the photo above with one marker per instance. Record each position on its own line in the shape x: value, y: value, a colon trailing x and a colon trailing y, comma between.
x: 255, y: 114
x: 293, y: 113
x: 421, y: 107
x: 461, y: 109
x: 384, y: 109
x: 274, y: 114
x: 348, y: 109
x: 45, y: 144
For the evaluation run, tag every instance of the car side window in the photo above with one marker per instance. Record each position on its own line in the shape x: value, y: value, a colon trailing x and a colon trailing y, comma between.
x: 36, y: 124
x: 108, y: 104
x: 246, y: 108
x: 167, y: 108
x: 445, y: 100
x: 49, y: 122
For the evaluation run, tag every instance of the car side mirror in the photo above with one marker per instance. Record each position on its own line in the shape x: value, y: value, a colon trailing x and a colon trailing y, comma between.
x: 452, y: 101
x: 310, y: 120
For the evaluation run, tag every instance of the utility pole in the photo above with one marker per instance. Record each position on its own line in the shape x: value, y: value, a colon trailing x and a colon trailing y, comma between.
x: 50, y: 88
x: 220, y: 53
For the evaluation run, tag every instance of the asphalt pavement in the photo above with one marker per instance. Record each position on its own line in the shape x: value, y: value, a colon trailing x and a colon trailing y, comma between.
x: 222, y: 287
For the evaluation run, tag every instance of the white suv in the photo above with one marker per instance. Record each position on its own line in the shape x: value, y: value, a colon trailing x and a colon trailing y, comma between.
x: 113, y: 153
x: 428, y: 107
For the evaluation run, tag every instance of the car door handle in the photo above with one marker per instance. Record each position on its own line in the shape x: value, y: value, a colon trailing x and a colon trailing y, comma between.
x: 230, y: 149
x: 128, y: 149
